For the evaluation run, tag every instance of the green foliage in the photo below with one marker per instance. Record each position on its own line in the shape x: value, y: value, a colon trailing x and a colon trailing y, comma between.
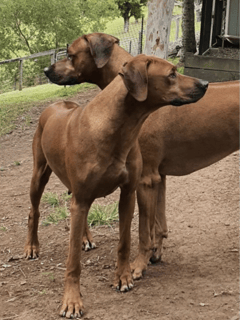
x: 50, y: 198
x: 175, y: 61
x: 131, y: 8
x: 28, y: 26
x: 98, y: 215
x: 101, y: 215
x: 57, y: 214
x: 59, y: 210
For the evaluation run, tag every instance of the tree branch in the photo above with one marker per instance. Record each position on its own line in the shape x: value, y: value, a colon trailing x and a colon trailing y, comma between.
x: 23, y: 36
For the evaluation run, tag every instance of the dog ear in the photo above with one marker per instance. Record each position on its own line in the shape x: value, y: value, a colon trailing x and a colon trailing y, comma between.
x: 135, y: 77
x: 101, y: 46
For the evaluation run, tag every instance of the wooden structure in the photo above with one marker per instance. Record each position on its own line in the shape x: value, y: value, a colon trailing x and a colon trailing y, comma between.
x: 52, y: 53
x: 219, y: 23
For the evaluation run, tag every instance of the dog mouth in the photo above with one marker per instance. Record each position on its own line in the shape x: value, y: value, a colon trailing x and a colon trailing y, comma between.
x: 60, y: 79
x: 195, y: 95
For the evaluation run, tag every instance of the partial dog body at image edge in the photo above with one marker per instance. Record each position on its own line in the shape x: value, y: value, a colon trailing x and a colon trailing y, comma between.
x: 173, y: 141
x: 95, y: 150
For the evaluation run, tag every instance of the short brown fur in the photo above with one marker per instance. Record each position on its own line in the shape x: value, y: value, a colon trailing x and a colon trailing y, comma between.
x: 95, y: 150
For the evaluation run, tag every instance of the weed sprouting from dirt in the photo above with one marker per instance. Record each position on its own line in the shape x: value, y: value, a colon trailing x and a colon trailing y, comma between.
x: 50, y: 198
x: 58, y: 214
x: 50, y: 275
x: 59, y: 209
x: 101, y: 215
x: 98, y: 214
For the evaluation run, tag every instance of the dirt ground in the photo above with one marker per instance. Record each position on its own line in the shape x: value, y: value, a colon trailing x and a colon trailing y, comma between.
x: 197, y: 279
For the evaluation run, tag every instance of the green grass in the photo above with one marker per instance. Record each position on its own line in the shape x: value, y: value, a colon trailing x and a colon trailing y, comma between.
x: 15, y: 103
x: 98, y: 214
x: 17, y: 163
x: 50, y: 198
x: 58, y: 204
x: 103, y: 215
x: 57, y: 214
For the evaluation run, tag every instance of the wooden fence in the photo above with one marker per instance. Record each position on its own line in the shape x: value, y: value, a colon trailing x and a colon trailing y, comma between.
x: 52, y: 53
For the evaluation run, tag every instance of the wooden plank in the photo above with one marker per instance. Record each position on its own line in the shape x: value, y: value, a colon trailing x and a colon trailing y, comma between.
x: 205, y: 25
x: 52, y: 59
x: 20, y: 74
x: 177, y: 28
x: 35, y: 55
x: 213, y: 63
x: 217, y: 20
x: 211, y: 75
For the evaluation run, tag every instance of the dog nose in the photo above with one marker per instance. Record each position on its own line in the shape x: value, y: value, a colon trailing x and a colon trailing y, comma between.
x: 203, y: 83
x: 46, y: 70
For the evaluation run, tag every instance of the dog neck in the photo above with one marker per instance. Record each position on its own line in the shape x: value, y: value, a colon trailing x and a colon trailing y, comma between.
x: 107, y: 73
x: 118, y: 122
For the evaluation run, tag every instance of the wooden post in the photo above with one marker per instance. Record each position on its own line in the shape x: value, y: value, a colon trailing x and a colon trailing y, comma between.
x: 20, y: 74
x: 52, y: 58
x: 177, y: 28
x: 130, y: 46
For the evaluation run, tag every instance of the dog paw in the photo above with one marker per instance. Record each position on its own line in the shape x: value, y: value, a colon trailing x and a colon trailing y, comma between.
x: 156, y: 255
x: 72, y: 307
x: 123, y: 280
x: 139, y: 266
x: 86, y: 246
x: 31, y: 251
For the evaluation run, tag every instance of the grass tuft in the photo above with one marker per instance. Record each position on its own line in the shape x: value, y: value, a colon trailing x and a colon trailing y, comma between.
x: 103, y: 215
x: 59, y: 210
x: 50, y: 198
x: 57, y: 214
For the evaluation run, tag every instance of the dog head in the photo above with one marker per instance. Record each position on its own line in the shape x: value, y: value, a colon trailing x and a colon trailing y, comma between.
x: 85, y: 56
x: 157, y: 81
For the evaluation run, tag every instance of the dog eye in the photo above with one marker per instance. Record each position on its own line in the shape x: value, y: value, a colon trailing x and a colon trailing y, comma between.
x: 172, y: 75
x: 69, y: 58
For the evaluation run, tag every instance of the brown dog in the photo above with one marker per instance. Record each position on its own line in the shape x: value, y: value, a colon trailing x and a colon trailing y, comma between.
x: 95, y: 150
x: 172, y: 141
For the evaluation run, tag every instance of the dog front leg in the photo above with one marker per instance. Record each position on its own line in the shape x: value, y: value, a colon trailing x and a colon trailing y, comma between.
x: 72, y: 302
x: 123, y: 278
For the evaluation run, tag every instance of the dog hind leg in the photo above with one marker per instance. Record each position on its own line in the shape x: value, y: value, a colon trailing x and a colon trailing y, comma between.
x: 123, y: 279
x: 147, y: 192
x: 88, y: 243
x: 161, y: 230
x: 40, y: 177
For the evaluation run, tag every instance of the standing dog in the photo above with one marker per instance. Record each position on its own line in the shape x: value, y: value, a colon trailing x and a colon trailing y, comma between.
x: 95, y: 150
x: 172, y: 141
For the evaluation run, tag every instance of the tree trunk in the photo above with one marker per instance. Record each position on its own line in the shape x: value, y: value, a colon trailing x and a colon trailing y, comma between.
x: 126, y: 23
x: 188, y: 28
x: 158, y: 27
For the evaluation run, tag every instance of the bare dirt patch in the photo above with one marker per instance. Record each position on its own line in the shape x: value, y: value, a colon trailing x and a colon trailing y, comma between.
x: 197, y: 279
